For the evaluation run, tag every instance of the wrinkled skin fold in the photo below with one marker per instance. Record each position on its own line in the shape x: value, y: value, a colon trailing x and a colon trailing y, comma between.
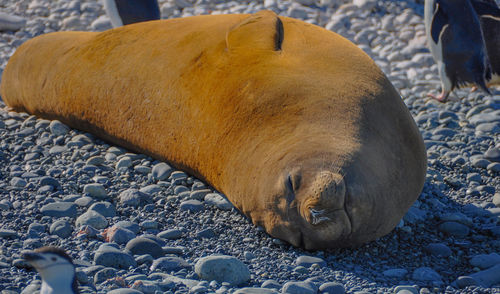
x: 293, y: 123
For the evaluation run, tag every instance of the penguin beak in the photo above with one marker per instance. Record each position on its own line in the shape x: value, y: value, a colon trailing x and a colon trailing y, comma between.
x: 31, y: 256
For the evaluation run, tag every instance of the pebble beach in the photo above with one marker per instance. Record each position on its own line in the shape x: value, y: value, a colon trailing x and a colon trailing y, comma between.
x: 137, y: 225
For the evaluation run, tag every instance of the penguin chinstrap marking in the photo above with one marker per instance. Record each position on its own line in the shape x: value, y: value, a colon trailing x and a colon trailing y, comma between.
x: 56, y: 269
x: 489, y: 15
x: 124, y: 12
x: 456, y: 42
x: 296, y: 125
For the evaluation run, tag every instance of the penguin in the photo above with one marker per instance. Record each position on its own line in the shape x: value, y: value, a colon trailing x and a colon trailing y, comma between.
x: 489, y: 16
x: 456, y: 42
x: 56, y: 269
x: 124, y: 12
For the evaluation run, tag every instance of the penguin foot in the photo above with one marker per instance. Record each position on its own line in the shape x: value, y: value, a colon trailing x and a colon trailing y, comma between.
x: 443, y: 97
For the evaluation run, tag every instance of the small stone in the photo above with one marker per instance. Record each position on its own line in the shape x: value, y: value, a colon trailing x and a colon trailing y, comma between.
x: 61, y: 228
x: 84, y: 201
x: 454, y: 229
x: 395, y: 273
x: 171, y: 234
x: 161, y: 171
x: 332, y: 288
x: 141, y: 245
x: 104, y: 208
x: 219, y: 201
x: 465, y: 281
x: 299, y: 288
x: 93, y: 219
x: 125, y: 291
x: 489, y: 277
x: 59, y: 209
x: 365, y: 4
x: 248, y: 290
x: 403, y: 289
x: 438, y: 249
x: 222, y: 268
x: 271, y: 284
x: 101, y: 23
x: 206, y: 233
x: 169, y: 264
x: 96, y: 160
x: 141, y: 169
x: 95, y: 191
x: 46, y: 180
x: 496, y: 199
x: 144, y: 259
x: 425, y: 274
x: 484, y: 261
x: 307, y: 261
x: 124, y: 162
x: 199, y: 194
x: 493, y: 154
x: 118, y: 235
x: 150, y: 189
x: 135, y: 228
x: 58, y: 128
x: 132, y: 197
x: 11, y: 22
x: 191, y: 205
x: 494, y: 167
x: 104, y: 274
x: 112, y: 257
x: 18, y: 182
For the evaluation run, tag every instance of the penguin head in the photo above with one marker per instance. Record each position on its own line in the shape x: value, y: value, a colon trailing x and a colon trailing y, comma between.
x: 53, y: 264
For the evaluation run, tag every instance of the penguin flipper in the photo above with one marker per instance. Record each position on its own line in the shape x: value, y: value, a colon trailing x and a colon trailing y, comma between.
x: 439, y: 21
x: 486, y: 8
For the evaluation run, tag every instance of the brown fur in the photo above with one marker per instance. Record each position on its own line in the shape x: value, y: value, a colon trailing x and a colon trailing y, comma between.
x: 279, y: 126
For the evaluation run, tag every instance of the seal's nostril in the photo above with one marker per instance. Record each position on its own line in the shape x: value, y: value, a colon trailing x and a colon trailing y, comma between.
x: 317, y: 216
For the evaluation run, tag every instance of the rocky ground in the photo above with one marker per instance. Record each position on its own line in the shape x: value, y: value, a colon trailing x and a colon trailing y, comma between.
x: 130, y: 221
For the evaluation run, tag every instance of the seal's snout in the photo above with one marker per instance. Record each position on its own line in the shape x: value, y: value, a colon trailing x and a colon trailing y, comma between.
x: 325, y: 195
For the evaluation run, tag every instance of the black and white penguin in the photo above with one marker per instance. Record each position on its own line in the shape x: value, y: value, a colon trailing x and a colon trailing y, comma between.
x: 123, y: 12
x: 56, y: 269
x: 456, y: 41
x: 489, y: 16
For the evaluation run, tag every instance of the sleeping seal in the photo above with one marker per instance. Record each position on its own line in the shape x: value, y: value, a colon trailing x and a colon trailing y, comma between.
x: 293, y: 123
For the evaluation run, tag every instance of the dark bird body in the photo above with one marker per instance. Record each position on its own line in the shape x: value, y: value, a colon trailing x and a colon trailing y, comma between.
x: 123, y: 12
x: 457, y: 44
x: 489, y: 16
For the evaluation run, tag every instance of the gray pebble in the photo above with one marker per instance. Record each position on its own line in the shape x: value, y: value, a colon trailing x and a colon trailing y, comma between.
x: 104, y: 208
x: 169, y: 263
x: 171, y: 234
x: 332, y: 288
x: 496, y: 199
x: 493, y: 154
x: 218, y: 201
x: 161, y: 171
x: 140, y: 245
x: 119, y: 235
x: 18, y: 182
x: 494, y: 167
x: 438, y: 249
x: 133, y: 197
x: 59, y: 209
x: 465, y: 281
x: 425, y: 274
x: 84, y: 201
x: 93, y: 219
x: 124, y: 291
x: 454, y: 229
x: 134, y: 227
x: 58, y: 128
x: 104, y: 274
x: 61, y: 228
x: 307, y: 261
x: 403, y: 289
x: 124, y: 162
x: 489, y: 277
x: 11, y: 22
x: 271, y: 284
x: 249, y: 290
x: 299, y: 288
x: 112, y: 257
x: 222, y: 268
x: 395, y: 273
x: 192, y: 205
x: 95, y: 190
x: 484, y: 261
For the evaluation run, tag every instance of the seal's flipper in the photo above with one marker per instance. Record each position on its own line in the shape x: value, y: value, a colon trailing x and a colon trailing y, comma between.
x: 439, y: 21
x: 260, y: 31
